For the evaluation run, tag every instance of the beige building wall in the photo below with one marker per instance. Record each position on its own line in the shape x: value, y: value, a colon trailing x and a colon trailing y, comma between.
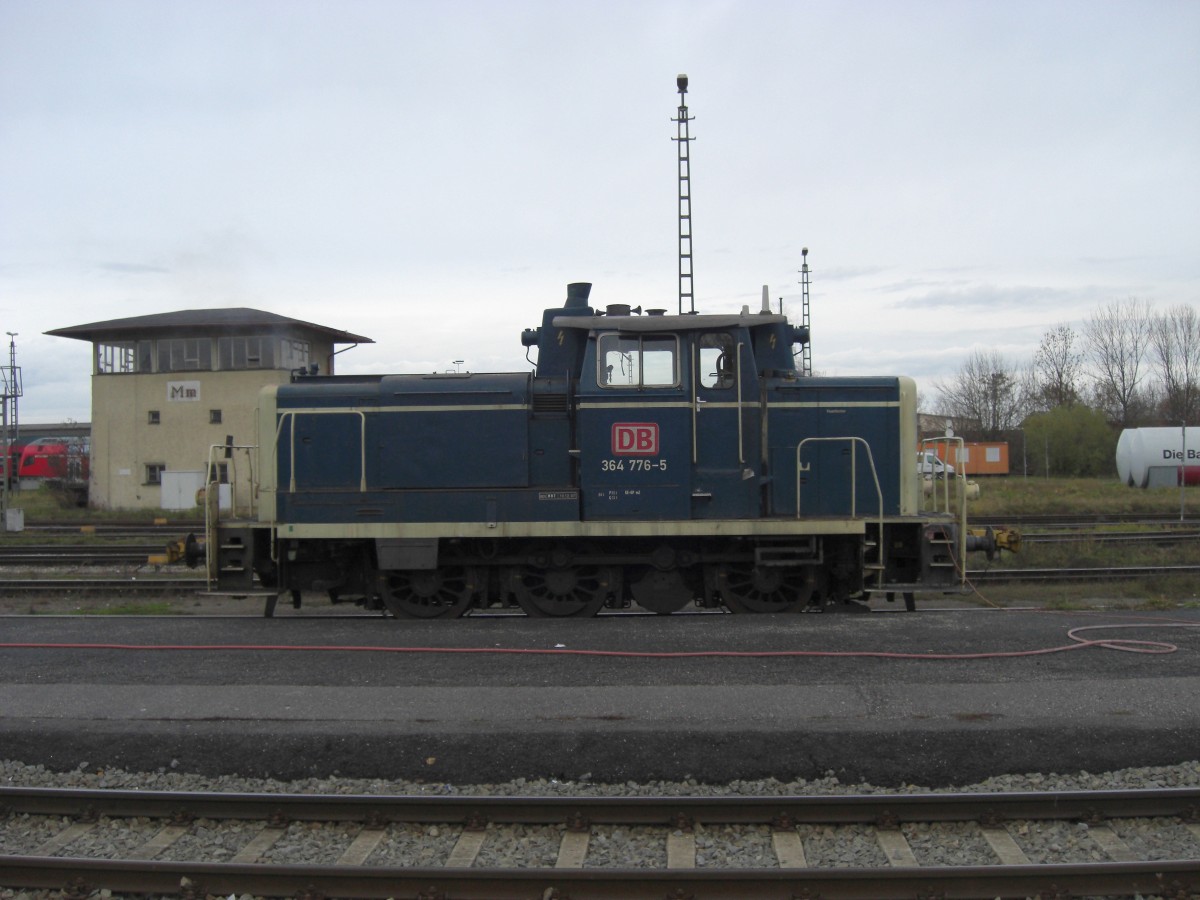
x: 125, y: 442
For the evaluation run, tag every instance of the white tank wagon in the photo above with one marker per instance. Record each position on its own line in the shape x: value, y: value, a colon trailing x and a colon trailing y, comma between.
x: 1158, y: 457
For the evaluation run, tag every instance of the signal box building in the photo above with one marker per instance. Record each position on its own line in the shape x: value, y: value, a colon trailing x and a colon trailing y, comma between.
x: 167, y: 386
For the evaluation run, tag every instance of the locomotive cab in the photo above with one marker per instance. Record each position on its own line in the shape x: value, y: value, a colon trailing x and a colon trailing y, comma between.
x: 669, y: 418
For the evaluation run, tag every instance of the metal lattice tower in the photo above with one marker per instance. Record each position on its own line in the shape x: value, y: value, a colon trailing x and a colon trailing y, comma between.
x: 684, y: 139
x: 10, y: 390
x: 806, y: 347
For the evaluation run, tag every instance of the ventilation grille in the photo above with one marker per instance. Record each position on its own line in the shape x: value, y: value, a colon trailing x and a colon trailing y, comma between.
x: 550, y: 403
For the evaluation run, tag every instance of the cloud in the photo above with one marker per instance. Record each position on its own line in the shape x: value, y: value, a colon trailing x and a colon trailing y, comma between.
x: 132, y: 268
x: 989, y: 297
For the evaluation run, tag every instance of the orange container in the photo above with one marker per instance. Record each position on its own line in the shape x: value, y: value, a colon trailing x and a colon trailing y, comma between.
x: 982, y: 458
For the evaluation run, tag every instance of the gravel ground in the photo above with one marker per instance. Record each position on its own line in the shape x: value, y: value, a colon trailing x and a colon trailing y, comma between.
x: 624, y: 846
x: 169, y: 779
x: 840, y: 846
x: 19, y: 835
x: 946, y: 843
x: 415, y: 845
x: 734, y: 846
x: 218, y: 841
x: 530, y: 845
x: 1171, y: 840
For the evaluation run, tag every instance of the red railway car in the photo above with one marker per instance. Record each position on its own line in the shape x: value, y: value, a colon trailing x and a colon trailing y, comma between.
x: 59, y: 459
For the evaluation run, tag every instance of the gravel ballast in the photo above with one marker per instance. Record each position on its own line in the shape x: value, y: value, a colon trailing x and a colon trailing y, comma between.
x: 718, y: 846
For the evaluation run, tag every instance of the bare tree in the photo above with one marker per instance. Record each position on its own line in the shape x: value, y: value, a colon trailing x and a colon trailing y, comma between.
x: 1117, y: 337
x: 1175, y: 338
x: 987, y: 390
x: 1057, y: 369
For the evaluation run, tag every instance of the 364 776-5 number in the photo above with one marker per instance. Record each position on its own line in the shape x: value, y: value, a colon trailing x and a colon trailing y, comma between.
x: 633, y: 465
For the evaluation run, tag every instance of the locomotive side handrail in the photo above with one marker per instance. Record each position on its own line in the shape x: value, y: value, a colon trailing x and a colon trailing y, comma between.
x: 854, y: 441
x: 738, y: 376
x: 212, y: 499
x: 960, y: 478
x: 695, y: 400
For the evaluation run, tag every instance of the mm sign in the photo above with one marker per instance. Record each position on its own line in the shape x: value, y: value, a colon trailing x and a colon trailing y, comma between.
x: 635, y: 439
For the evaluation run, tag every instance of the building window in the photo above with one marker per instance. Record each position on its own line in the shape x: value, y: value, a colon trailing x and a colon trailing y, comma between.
x: 152, y: 417
x: 293, y: 354
x: 245, y: 353
x: 116, y: 358
x: 219, y: 472
x: 184, y: 355
x: 154, y: 472
x: 214, y: 417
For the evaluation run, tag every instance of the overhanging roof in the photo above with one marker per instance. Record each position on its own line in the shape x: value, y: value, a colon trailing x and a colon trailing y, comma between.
x: 226, y: 320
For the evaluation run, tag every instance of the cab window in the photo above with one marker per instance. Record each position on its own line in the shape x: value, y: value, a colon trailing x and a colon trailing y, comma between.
x: 717, y: 358
x: 634, y: 361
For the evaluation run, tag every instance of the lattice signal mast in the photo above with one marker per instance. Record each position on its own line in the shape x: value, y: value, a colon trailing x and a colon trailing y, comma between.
x: 684, y: 139
x: 10, y: 391
x: 806, y: 347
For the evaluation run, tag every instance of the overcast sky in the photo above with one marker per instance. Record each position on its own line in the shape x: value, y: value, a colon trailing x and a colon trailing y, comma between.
x: 432, y: 174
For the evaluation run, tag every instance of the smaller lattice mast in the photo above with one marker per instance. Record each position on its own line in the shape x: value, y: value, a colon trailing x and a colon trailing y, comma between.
x: 806, y: 347
x: 683, y: 138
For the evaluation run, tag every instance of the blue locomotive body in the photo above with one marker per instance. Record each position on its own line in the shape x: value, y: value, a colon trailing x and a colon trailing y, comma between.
x: 662, y: 460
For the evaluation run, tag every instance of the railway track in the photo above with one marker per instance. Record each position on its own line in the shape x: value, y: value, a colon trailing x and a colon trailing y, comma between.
x: 120, y: 550
x: 147, y: 582
x: 89, y: 554
x: 446, y: 846
x: 122, y: 527
x: 101, y: 586
x: 1062, y: 575
x: 1078, y: 521
x: 1163, y: 538
x: 123, y: 547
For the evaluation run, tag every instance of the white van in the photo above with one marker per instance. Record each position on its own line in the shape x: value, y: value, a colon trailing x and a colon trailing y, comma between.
x: 929, y: 464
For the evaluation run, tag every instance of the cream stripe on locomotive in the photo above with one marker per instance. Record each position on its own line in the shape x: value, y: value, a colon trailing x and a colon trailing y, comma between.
x: 669, y: 404
x: 679, y: 528
x: 509, y: 407
x: 367, y: 410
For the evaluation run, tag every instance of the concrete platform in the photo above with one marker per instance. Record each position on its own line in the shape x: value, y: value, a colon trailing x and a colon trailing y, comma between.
x: 283, y: 708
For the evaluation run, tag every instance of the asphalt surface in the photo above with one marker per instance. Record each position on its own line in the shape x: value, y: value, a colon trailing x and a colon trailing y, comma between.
x: 303, y: 697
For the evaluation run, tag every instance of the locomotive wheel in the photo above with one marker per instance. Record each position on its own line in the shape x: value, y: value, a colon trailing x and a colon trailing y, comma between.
x: 565, y: 591
x: 430, y: 593
x: 763, y: 589
x: 662, y: 592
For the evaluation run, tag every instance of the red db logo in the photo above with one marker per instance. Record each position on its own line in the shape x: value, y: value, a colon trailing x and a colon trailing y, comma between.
x: 635, y: 439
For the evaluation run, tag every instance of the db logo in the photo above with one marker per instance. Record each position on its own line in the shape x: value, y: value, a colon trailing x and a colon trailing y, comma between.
x: 635, y: 439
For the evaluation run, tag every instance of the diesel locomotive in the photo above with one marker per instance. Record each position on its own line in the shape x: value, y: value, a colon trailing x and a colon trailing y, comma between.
x: 663, y: 460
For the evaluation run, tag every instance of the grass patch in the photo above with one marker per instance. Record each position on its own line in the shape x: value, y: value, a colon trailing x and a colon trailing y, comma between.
x: 1133, y: 594
x: 48, y: 504
x: 1090, y: 554
x: 1014, y: 496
